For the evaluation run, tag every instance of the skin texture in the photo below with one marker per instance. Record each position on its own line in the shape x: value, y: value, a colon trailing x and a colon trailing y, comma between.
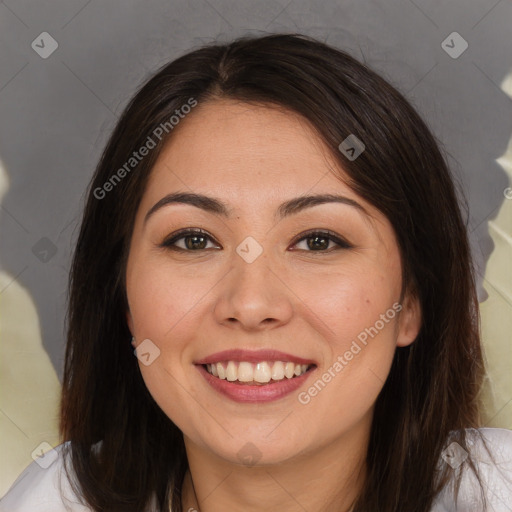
x: 310, y: 303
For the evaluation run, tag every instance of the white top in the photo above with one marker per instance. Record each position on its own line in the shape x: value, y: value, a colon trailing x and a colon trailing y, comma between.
x: 43, y: 486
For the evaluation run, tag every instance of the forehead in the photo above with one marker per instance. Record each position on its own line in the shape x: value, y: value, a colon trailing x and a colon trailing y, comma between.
x: 231, y: 147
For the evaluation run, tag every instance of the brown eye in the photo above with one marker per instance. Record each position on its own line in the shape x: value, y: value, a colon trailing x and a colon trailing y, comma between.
x: 195, y: 242
x: 188, y: 240
x: 319, y: 241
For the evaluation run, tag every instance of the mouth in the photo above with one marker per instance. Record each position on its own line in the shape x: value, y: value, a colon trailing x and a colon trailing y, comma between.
x: 255, y: 376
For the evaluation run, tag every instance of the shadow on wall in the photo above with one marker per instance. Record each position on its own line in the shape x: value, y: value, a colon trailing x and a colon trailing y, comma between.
x: 496, y: 311
x: 29, y: 387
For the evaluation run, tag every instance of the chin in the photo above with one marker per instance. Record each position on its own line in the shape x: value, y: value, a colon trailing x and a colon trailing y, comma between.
x: 254, y: 447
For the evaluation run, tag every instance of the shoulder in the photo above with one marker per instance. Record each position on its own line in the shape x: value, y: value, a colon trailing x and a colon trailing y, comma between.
x: 491, y: 451
x: 43, y: 487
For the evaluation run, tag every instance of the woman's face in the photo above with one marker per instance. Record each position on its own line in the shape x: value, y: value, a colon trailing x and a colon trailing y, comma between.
x: 256, y: 293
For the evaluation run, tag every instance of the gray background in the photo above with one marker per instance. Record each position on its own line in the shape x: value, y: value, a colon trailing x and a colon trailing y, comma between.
x: 56, y: 113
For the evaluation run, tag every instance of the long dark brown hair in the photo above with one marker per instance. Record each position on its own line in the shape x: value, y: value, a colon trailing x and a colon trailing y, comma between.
x: 431, y: 393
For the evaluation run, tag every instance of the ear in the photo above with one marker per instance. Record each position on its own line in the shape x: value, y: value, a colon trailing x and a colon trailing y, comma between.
x: 409, y: 320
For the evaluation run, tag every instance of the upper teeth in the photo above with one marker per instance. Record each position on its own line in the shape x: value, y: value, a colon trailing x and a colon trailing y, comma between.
x: 260, y: 372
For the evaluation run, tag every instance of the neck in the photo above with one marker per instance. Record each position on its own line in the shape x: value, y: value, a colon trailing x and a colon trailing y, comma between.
x: 327, y: 479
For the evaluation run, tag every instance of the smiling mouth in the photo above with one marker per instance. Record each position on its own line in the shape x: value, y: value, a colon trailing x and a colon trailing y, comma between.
x: 256, y: 374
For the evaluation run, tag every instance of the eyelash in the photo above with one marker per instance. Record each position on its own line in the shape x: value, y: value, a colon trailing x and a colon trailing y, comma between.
x: 184, y: 233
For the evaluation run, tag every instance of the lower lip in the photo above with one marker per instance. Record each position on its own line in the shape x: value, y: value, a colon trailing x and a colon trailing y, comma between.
x: 253, y: 394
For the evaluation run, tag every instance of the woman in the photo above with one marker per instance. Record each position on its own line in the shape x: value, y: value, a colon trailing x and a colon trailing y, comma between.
x: 276, y: 231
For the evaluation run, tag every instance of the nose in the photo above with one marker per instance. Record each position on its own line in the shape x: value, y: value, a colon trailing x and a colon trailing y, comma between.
x: 252, y: 297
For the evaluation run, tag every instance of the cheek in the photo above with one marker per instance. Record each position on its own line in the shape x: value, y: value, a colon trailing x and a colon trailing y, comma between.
x: 165, y: 307
x: 345, y: 306
x: 162, y: 301
x: 357, y: 320
x: 356, y: 313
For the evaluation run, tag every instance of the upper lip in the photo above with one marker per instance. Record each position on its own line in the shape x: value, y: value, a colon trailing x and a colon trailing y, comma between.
x: 253, y: 356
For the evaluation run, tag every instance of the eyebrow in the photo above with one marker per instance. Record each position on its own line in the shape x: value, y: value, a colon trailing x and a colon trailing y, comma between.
x: 218, y: 207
